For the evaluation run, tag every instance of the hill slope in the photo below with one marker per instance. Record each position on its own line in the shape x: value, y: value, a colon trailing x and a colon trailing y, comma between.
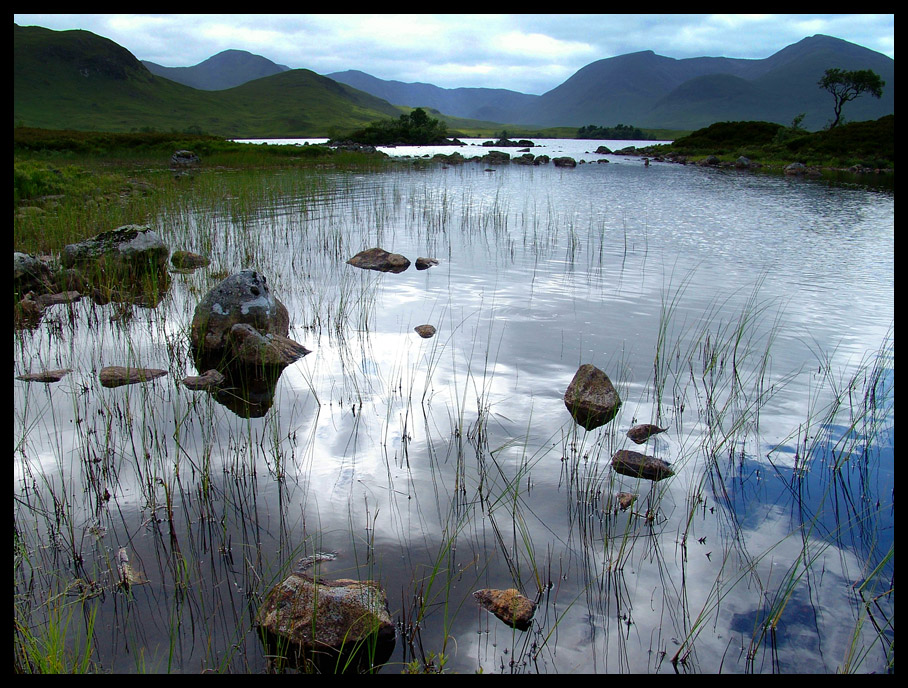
x: 650, y: 90
x: 225, y: 70
x: 78, y: 80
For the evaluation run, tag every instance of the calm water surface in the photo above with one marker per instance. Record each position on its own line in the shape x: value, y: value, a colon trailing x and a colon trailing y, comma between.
x: 752, y: 315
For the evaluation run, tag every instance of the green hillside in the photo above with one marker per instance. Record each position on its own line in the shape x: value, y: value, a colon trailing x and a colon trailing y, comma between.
x: 78, y: 80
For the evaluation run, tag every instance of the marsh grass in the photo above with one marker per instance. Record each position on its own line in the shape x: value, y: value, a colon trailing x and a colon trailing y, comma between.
x: 426, y: 463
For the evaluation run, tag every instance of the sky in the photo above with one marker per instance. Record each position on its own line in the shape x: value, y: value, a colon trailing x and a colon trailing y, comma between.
x: 530, y: 53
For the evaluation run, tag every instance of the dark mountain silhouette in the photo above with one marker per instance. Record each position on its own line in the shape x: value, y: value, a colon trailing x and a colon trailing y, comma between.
x: 650, y: 90
x: 225, y: 70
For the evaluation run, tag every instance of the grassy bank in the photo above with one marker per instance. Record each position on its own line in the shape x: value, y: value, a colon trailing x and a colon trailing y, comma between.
x: 863, y: 144
x: 68, y: 185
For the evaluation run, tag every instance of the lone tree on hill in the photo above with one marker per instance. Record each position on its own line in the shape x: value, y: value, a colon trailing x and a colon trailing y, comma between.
x: 845, y: 86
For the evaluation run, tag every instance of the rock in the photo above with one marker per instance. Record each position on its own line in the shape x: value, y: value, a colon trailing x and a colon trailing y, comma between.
x: 639, y: 465
x: 127, y: 251
x: 591, y: 398
x: 243, y: 297
x: 641, y: 433
x: 509, y: 606
x: 796, y: 168
x: 27, y: 313
x: 625, y: 499
x: 425, y: 331
x: 188, y: 260
x: 564, y: 162
x: 31, y: 274
x: 710, y: 160
x: 525, y: 159
x: 207, y: 381
x: 601, y: 160
x: 541, y: 160
x: 184, y: 158
x: 45, y: 375
x: 117, y: 376
x: 604, y: 150
x: 496, y: 158
x: 251, y: 348
x: 45, y: 300
x: 425, y: 263
x: 327, y: 625
x: 379, y: 259
x: 743, y: 162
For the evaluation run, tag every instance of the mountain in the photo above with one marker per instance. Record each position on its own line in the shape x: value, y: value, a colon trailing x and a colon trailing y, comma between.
x: 78, y: 80
x: 225, y: 70
x: 492, y: 104
x: 649, y: 90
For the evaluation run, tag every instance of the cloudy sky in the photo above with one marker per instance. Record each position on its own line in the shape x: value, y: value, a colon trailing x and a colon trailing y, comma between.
x: 531, y: 53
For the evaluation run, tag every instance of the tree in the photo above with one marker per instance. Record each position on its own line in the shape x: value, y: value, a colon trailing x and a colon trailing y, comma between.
x: 845, y: 86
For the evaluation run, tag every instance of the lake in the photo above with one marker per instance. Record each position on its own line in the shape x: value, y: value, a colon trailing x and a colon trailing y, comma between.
x: 752, y: 315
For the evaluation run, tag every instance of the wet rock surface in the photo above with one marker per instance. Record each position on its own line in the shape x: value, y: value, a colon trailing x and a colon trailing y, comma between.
x: 117, y: 376
x: 508, y: 605
x: 379, y: 259
x: 637, y: 465
x: 641, y: 433
x: 591, y: 398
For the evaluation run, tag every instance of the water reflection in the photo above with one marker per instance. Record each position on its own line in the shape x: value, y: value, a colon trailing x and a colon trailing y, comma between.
x: 742, y: 312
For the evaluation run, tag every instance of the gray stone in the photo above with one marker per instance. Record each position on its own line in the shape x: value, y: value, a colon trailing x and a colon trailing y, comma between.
x: 127, y: 250
x: 243, y: 297
x: 564, y: 161
x: 31, y: 274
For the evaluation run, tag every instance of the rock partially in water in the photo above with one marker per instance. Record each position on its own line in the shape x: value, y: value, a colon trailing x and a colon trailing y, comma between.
x: 591, y: 398
x: 425, y: 331
x: 641, y: 433
x: 564, y: 161
x: 251, y: 348
x: 207, y: 381
x: 508, y: 605
x: 128, y: 251
x: 625, y: 500
x: 45, y: 375
x: 379, y: 259
x: 328, y: 626
x: 187, y: 260
x: 27, y: 313
x: 242, y: 298
x: 638, y: 465
x: 31, y: 274
x: 117, y: 376
x: 425, y: 263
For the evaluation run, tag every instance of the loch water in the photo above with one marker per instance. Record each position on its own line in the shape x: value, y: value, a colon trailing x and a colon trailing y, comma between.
x: 751, y: 314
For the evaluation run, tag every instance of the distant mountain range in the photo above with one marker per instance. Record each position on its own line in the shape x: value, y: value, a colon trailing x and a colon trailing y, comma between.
x: 648, y: 90
x: 75, y: 79
x: 225, y: 70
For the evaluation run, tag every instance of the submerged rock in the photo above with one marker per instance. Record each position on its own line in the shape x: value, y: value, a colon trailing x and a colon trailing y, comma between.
x: 45, y: 375
x: 117, y: 376
x: 638, y: 465
x: 379, y: 259
x: 187, y: 260
x: 641, y: 433
x: 207, y: 381
x: 328, y: 626
x: 508, y: 605
x: 591, y: 398
x: 625, y: 499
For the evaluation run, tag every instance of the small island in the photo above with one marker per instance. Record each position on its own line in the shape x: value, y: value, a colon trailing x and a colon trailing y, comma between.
x: 413, y: 129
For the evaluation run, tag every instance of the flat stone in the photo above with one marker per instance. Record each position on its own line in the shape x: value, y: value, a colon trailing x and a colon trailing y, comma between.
x: 638, y: 465
x: 508, y: 605
x: 117, y: 376
x: 45, y: 375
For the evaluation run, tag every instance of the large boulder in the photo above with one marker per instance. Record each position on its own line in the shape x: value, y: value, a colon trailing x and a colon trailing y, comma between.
x: 564, y: 161
x: 127, y: 251
x: 242, y: 298
x: 379, y: 259
x: 328, y: 626
x: 591, y: 398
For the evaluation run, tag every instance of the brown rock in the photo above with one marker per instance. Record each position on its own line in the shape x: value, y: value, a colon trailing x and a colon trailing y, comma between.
x: 641, y: 433
x: 325, y: 624
x: 117, y: 376
x: 625, y: 499
x: 207, y: 381
x: 639, y: 465
x: 425, y: 263
x: 379, y: 259
x: 188, y: 260
x: 255, y: 349
x: 425, y: 331
x: 508, y: 605
x: 591, y: 398
x: 45, y: 375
